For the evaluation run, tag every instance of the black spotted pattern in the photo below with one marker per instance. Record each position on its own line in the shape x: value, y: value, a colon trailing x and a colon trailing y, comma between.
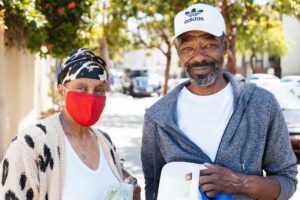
x: 29, y: 194
x: 113, y: 156
x: 58, y: 151
x: 29, y: 141
x: 23, y: 180
x: 5, y: 166
x: 46, y: 160
x: 41, y: 126
x: 14, y: 139
x: 10, y: 195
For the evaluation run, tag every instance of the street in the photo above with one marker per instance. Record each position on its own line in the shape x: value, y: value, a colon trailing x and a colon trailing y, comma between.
x: 122, y: 119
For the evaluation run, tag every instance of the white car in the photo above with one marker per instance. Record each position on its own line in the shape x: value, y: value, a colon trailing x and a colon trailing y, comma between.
x: 292, y: 84
x: 290, y: 106
x: 263, y: 79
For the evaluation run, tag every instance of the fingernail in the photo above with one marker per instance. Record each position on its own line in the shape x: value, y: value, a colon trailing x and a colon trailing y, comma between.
x: 127, y: 180
x: 188, y: 177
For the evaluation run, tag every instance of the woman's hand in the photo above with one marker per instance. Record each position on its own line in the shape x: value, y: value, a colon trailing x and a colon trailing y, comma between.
x: 137, y: 192
x: 136, y: 187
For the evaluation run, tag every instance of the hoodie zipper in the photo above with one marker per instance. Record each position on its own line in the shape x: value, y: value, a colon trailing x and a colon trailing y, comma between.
x: 185, y: 139
x: 242, y: 165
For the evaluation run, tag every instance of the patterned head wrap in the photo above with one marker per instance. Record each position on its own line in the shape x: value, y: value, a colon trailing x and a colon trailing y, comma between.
x: 82, y: 63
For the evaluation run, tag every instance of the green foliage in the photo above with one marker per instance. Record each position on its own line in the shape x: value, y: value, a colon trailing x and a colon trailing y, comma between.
x: 111, y: 31
x: 53, y: 27
x: 147, y: 23
x: 252, y: 27
x: 289, y: 7
x: 2, y: 11
x: 262, y: 32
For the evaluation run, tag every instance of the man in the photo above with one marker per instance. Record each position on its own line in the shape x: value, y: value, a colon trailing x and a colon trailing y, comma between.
x: 235, y: 128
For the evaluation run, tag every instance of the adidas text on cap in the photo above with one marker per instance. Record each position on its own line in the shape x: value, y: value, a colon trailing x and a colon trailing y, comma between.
x: 199, y: 17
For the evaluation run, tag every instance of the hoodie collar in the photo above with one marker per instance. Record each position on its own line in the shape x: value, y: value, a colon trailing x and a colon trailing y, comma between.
x: 163, y: 112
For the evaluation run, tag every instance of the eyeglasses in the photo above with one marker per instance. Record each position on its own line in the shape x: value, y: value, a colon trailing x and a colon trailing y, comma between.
x: 188, y: 48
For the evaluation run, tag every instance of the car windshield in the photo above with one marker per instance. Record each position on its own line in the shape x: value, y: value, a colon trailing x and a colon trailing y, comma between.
x: 137, y: 73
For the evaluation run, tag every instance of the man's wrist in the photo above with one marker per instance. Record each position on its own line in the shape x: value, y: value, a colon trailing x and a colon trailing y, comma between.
x: 243, y: 184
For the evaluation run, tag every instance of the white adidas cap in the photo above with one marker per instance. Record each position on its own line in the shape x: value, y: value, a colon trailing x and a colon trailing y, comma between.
x: 199, y: 17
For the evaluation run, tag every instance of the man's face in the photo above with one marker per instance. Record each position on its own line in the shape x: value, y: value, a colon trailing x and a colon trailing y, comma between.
x: 202, y: 55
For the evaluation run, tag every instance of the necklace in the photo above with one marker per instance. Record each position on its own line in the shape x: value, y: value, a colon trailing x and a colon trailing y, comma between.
x: 82, y: 152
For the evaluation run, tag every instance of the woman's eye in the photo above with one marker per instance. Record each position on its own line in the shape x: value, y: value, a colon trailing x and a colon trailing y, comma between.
x: 100, y: 91
x: 81, y: 89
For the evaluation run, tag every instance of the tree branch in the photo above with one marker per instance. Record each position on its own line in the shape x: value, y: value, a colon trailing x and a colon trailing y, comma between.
x: 151, y: 45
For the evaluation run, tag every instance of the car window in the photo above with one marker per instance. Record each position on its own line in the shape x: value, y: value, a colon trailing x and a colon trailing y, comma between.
x: 138, y: 73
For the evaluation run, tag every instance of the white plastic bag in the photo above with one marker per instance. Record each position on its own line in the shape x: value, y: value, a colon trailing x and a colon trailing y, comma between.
x: 173, y: 185
x: 121, y: 191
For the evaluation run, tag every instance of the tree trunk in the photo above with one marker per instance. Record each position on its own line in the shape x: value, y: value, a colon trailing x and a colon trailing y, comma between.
x: 244, y: 65
x: 105, y: 55
x: 231, y: 30
x: 231, y: 62
x: 167, y: 70
x: 104, y: 51
x: 253, y: 60
x: 276, y: 64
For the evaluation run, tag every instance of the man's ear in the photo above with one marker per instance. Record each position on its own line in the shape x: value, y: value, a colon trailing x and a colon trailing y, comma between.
x: 176, y: 47
x: 226, y: 44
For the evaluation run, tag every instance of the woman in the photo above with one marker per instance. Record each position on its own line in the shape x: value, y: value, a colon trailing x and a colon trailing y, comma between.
x: 62, y: 156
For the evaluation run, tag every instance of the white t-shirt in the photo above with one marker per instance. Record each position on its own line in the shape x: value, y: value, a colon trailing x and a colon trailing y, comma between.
x: 203, y: 119
x: 81, y: 182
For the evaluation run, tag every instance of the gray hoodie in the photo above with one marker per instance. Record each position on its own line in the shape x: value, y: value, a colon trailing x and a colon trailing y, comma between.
x: 256, y: 138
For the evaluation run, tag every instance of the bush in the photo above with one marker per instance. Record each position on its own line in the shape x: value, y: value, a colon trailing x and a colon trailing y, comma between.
x: 53, y: 27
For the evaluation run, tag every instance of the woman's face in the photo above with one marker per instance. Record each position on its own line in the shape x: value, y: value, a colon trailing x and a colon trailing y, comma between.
x: 85, y: 86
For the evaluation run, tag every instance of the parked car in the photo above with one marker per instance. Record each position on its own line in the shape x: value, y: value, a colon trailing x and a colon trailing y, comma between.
x: 115, y: 79
x: 174, y: 82
x: 138, y: 82
x: 290, y: 106
x: 292, y: 84
x: 262, y: 79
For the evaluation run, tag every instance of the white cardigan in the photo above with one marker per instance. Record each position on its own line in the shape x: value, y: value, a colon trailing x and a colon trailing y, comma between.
x: 34, y: 164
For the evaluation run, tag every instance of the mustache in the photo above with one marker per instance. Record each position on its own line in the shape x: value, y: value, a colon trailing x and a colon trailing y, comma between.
x: 202, y: 64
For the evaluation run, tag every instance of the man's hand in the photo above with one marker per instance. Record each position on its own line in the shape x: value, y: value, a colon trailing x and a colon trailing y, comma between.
x: 218, y: 180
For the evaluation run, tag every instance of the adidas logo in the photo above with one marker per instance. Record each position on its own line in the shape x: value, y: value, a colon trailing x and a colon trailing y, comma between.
x: 193, y: 16
x: 193, y: 12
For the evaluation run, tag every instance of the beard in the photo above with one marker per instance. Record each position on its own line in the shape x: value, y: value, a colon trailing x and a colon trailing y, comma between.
x: 205, y: 80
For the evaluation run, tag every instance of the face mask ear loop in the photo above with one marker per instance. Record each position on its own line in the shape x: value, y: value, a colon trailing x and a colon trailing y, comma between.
x: 62, y: 100
x: 65, y: 88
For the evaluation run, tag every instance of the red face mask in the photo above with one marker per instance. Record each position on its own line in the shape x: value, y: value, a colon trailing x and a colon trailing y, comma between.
x: 85, y: 109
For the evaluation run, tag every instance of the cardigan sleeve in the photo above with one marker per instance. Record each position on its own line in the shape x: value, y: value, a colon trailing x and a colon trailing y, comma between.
x: 114, y: 155
x: 18, y: 170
